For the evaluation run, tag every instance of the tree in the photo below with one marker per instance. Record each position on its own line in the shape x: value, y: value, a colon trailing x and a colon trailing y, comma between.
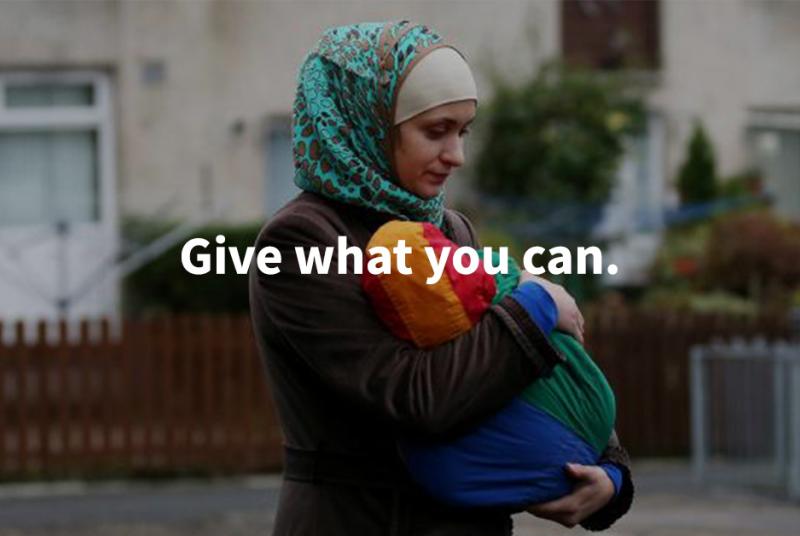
x: 697, y: 181
x: 556, y: 137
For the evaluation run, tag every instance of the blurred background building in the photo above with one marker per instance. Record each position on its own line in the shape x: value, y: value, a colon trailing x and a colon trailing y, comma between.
x: 180, y: 111
x: 128, y: 126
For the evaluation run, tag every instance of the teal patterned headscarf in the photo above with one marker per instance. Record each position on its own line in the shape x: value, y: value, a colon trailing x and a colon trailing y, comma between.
x: 343, y: 116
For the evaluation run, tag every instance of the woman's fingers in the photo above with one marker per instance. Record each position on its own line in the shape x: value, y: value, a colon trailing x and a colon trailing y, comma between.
x: 593, y: 489
x: 564, y: 511
x: 579, y: 337
x: 556, y: 509
x: 579, y: 326
x: 577, y: 471
x: 569, y: 316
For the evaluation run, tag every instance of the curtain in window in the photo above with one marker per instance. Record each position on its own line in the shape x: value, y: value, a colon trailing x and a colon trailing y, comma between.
x: 46, y: 177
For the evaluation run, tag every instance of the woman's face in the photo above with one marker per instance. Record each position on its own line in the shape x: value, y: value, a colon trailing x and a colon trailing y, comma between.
x: 429, y: 146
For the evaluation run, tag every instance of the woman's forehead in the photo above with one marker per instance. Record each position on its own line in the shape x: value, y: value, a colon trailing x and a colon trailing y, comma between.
x: 457, y: 112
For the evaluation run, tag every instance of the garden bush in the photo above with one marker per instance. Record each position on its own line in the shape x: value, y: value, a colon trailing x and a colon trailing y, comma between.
x: 164, y: 286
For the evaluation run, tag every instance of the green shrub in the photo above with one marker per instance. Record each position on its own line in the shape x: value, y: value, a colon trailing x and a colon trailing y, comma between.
x: 701, y: 302
x: 742, y: 261
x: 697, y: 180
x: 558, y: 136
x: 754, y: 254
x: 164, y: 286
x: 677, y: 262
x: 746, y: 183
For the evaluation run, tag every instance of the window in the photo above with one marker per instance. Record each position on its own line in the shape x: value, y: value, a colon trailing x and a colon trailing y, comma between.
x: 636, y: 204
x: 44, y: 95
x: 58, y: 223
x: 610, y: 34
x: 774, y: 148
x: 279, y: 185
x: 52, y: 132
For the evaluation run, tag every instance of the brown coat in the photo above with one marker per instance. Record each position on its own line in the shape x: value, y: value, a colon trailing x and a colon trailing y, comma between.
x: 345, y: 388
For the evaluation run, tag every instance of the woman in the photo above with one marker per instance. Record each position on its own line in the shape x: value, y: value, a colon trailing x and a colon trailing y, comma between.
x: 346, y: 389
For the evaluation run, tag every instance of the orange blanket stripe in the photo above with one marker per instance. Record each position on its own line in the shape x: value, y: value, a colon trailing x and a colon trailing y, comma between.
x: 426, y: 314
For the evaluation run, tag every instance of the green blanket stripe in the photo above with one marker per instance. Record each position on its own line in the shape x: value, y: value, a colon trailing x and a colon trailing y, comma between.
x: 577, y: 393
x: 505, y: 282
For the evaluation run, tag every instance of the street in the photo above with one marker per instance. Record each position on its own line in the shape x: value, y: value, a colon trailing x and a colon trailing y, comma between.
x: 667, y: 504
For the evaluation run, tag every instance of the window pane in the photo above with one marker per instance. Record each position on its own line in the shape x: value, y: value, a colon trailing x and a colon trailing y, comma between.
x: 49, y: 95
x: 48, y: 176
x: 777, y: 154
x: 74, y: 177
x: 280, y: 167
x: 610, y: 34
x: 22, y: 178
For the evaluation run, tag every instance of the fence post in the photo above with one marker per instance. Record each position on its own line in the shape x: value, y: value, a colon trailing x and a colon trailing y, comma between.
x: 24, y: 352
x: 779, y: 355
x: 794, y: 323
x: 792, y: 360
x: 699, y: 447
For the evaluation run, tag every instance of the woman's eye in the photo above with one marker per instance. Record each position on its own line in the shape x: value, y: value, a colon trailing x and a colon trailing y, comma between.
x: 435, y: 133
x: 464, y: 132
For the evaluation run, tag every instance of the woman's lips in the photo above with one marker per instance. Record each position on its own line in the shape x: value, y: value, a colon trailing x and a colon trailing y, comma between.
x: 438, y: 177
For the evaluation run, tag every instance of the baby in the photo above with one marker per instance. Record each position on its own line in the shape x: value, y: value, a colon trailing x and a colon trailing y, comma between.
x: 517, y: 457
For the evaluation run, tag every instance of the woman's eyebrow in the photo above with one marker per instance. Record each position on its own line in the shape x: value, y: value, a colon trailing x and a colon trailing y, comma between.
x: 449, y: 121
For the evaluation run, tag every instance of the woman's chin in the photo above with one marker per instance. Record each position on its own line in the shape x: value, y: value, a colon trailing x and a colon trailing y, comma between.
x: 430, y: 190
x: 430, y: 193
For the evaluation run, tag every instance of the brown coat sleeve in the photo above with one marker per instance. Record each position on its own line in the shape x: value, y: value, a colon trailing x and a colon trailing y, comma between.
x: 331, y: 327
x: 619, y: 505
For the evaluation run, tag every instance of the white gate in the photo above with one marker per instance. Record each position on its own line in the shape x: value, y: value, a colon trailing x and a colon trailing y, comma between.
x: 746, y: 414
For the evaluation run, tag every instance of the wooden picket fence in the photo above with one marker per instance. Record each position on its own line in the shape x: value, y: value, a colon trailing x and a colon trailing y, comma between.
x: 175, y: 394
x: 645, y: 356
x: 188, y: 393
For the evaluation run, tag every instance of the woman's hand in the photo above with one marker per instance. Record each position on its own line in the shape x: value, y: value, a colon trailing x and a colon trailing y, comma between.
x: 570, y: 318
x: 593, y: 490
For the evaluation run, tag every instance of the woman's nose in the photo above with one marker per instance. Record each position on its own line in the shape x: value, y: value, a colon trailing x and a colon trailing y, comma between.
x: 453, y: 155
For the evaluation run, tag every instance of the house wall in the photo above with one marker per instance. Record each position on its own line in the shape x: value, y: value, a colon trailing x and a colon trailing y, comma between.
x: 719, y: 60
x: 196, y: 83
x: 196, y: 86
x: 196, y: 136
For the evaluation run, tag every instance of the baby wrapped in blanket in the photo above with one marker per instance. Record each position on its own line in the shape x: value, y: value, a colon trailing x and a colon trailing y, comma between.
x: 516, y: 457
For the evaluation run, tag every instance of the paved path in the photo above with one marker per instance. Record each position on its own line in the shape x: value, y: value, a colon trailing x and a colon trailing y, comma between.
x: 667, y: 504
x: 199, y: 507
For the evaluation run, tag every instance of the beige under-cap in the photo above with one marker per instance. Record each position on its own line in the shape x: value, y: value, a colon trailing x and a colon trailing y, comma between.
x: 440, y: 77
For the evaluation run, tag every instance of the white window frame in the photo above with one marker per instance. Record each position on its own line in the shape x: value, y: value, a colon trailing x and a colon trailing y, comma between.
x: 97, y: 116
x: 774, y: 119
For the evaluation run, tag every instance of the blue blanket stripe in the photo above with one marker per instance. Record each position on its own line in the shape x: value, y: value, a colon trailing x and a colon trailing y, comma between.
x: 514, y: 459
